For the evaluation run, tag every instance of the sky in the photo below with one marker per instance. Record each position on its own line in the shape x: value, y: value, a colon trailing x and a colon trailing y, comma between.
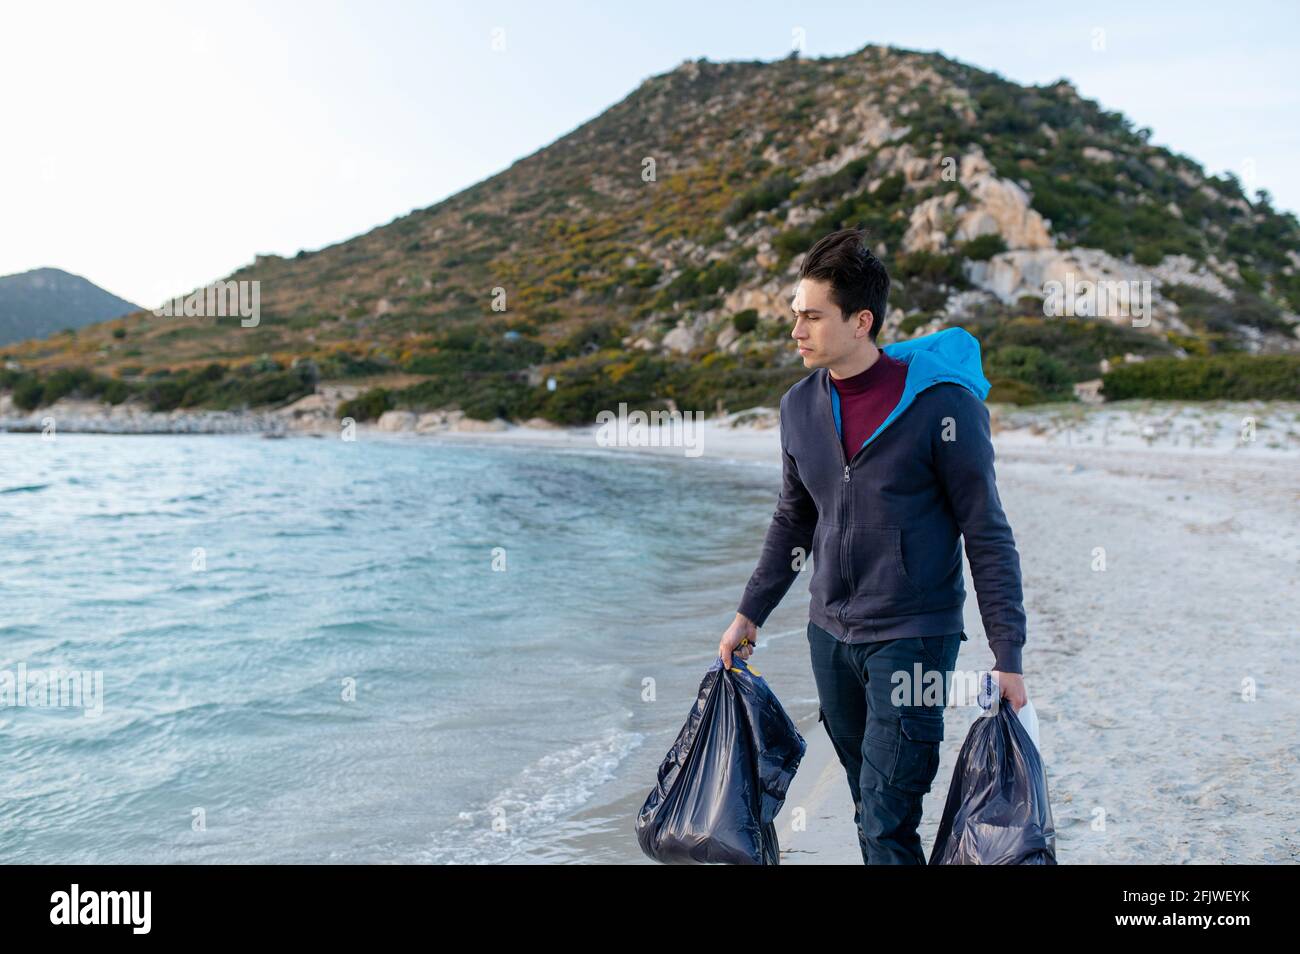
x: 155, y: 147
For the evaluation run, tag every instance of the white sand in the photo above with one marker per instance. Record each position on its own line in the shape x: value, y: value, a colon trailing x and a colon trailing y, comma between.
x: 1138, y: 671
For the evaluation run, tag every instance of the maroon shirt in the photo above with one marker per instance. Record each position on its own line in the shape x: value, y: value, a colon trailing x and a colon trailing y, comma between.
x: 868, y: 398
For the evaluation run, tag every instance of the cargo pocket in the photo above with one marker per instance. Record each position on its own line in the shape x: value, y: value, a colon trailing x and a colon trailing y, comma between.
x: 918, y: 750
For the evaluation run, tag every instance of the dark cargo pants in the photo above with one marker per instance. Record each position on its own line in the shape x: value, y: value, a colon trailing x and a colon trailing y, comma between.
x: 886, y: 739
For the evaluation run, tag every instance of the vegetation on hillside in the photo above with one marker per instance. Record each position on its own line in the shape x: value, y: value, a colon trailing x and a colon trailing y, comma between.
x: 577, y: 261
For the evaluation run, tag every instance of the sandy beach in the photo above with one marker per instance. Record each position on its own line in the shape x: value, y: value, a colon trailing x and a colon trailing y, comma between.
x: 1160, y: 681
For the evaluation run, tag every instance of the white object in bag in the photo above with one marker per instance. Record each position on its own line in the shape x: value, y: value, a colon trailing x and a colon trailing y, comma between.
x: 1029, y: 719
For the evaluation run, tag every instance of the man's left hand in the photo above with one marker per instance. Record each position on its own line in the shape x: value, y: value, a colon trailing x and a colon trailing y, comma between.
x: 1012, y: 685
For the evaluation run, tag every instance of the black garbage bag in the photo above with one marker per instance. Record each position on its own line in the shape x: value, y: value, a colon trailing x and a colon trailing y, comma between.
x: 997, y: 811
x: 723, y: 781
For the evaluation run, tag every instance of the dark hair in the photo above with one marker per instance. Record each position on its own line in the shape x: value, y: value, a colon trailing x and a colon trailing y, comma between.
x: 857, y: 278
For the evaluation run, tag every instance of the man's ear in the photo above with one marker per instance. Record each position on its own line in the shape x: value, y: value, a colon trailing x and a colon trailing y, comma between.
x: 869, y: 318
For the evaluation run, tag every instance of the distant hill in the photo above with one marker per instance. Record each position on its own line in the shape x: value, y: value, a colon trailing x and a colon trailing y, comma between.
x: 648, y: 256
x: 38, y: 303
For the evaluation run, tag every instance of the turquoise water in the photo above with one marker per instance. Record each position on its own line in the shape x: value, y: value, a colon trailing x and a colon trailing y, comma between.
x: 229, y: 590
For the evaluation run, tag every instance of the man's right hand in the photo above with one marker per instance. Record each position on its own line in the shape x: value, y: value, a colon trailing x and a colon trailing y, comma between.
x: 740, y: 629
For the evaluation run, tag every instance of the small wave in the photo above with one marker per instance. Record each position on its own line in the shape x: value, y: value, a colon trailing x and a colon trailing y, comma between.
x: 186, y: 498
x: 544, y: 793
x: 309, y: 531
x: 130, y: 735
x: 120, y: 515
x: 23, y: 489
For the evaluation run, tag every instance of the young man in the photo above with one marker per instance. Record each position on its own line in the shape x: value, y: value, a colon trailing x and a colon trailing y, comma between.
x: 887, y: 464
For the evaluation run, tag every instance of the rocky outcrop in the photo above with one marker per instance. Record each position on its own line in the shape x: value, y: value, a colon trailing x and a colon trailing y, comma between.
x: 997, y: 207
x: 397, y: 421
x: 1002, y: 208
x: 1093, y: 154
x: 681, y: 339
x: 312, y: 415
x: 1010, y: 275
x: 472, y: 424
x: 436, y: 421
x: 930, y: 223
x: 727, y: 339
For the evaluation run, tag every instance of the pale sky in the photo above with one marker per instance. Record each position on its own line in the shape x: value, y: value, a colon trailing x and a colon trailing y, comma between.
x: 154, y: 147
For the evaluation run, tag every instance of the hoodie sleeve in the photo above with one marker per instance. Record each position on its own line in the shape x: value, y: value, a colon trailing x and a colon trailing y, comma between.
x: 964, y: 466
x: 791, y: 529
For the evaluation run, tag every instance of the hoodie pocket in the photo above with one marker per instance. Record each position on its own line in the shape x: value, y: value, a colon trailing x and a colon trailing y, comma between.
x: 878, y: 581
x: 826, y: 584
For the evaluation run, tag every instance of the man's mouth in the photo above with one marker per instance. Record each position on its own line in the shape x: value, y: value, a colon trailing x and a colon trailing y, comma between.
x: 803, y: 350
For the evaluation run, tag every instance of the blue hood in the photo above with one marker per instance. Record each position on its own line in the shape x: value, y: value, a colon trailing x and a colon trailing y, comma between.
x: 952, y: 354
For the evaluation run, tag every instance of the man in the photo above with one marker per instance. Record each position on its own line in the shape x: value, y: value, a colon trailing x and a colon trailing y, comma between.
x: 887, y: 464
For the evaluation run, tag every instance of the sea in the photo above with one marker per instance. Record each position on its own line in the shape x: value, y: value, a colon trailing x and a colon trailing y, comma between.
x: 397, y: 649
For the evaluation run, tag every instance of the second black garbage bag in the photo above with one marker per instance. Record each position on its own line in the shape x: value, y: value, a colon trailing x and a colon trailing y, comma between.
x: 997, y: 811
x: 725, y: 778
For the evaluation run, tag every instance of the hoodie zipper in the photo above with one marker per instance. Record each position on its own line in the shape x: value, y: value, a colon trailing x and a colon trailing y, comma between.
x: 845, y: 502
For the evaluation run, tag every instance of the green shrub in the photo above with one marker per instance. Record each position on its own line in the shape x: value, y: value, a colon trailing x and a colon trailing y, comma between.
x: 890, y: 190
x: 368, y: 406
x: 768, y: 194
x: 164, y: 394
x: 932, y: 267
x: 1232, y: 377
x: 1009, y: 391
x: 115, y: 392
x: 31, y: 390
x: 1207, y: 311
x: 1078, y: 345
x: 28, y: 393
x: 745, y: 321
x: 1031, y: 366
x: 910, y: 323
x: 983, y: 247
x: 792, y: 242
x: 586, y: 339
x: 836, y: 184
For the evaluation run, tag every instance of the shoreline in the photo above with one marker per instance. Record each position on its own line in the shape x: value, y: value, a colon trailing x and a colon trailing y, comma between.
x: 1237, y: 428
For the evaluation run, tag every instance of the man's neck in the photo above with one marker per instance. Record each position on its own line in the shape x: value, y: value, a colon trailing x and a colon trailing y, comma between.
x: 855, y: 364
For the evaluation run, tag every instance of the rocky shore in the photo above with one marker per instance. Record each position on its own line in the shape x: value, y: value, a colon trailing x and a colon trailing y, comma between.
x: 314, y: 414
x: 1213, y: 426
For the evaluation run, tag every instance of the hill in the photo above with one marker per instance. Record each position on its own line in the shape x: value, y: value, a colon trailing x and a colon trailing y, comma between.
x: 648, y: 256
x: 47, y: 300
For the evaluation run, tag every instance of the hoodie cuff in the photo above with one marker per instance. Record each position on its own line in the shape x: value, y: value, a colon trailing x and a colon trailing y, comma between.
x: 1007, y: 655
x: 752, y: 610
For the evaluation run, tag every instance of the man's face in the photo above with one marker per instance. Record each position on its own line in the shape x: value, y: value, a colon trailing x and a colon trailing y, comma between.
x: 823, y: 336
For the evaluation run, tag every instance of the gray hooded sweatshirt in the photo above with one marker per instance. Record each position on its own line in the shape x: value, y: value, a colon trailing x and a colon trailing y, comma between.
x: 884, y: 529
